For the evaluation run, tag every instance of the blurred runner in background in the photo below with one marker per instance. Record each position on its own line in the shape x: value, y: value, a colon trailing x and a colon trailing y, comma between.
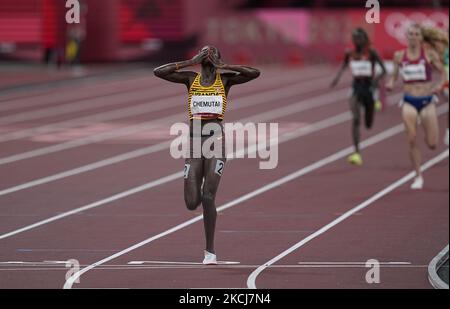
x: 362, y: 61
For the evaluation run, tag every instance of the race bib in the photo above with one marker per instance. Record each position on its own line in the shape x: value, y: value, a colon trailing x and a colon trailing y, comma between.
x: 361, y: 68
x: 414, y: 72
x: 206, y: 104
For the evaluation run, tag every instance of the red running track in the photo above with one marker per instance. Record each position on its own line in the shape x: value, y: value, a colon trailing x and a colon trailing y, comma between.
x: 41, y: 197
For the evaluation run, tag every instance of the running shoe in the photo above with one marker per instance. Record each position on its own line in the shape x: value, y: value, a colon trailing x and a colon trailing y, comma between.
x: 355, y: 159
x: 418, y: 183
x: 210, y: 258
x: 378, y: 106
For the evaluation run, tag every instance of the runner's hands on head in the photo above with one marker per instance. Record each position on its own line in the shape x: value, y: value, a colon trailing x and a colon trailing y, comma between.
x: 218, y: 63
x: 202, y: 55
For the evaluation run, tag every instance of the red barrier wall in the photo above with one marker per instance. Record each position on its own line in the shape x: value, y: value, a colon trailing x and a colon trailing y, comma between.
x: 102, y: 30
x: 296, y: 36
x: 130, y: 29
x: 20, y: 21
x: 140, y: 20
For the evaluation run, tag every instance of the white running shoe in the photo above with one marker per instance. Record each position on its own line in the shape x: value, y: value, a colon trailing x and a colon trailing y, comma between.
x: 418, y: 183
x: 210, y: 258
x: 446, y: 137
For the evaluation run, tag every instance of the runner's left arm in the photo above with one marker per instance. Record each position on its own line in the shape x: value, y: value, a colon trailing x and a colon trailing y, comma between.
x: 436, y: 62
x: 393, y: 78
x: 341, y: 69
x: 241, y: 74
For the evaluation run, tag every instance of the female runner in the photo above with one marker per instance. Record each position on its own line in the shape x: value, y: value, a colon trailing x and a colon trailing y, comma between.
x: 208, y: 92
x: 362, y: 60
x: 418, y: 106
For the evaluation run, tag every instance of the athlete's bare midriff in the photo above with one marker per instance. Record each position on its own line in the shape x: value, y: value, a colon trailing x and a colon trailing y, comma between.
x: 418, y: 89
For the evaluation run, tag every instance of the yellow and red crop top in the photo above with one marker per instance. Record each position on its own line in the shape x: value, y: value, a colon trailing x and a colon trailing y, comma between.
x: 207, y: 102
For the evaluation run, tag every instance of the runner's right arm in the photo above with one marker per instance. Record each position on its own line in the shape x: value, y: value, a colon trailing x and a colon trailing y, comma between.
x: 397, y: 59
x: 171, y: 73
x: 342, y: 69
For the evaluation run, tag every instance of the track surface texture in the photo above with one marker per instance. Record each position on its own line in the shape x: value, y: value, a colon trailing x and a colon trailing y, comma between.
x: 86, y: 175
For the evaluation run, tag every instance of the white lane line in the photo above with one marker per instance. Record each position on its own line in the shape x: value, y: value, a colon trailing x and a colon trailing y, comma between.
x: 266, y: 231
x: 148, y: 80
x: 45, y: 263
x: 433, y: 276
x: 194, y: 265
x: 158, y: 105
x: 272, y: 114
x: 293, y: 135
x: 199, y: 265
x: 110, y: 199
x: 116, y: 99
x: 63, y: 250
x: 161, y: 263
x: 115, y: 114
x: 19, y: 268
x: 53, y: 96
x: 302, y: 172
x: 251, y: 281
x: 109, y: 100
x: 352, y: 263
x: 95, y: 138
x: 87, y: 168
x: 332, y: 121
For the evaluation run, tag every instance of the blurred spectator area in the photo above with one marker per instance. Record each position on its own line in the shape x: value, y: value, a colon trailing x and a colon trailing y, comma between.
x: 247, y: 30
x: 20, y: 25
x: 340, y: 3
x: 116, y: 29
